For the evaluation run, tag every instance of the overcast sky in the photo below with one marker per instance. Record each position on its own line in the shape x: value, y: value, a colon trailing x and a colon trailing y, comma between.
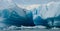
x: 5, y: 3
x: 25, y: 2
x: 33, y: 1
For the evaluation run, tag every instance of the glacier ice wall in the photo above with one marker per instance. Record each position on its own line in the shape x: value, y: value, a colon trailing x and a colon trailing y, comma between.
x: 31, y: 12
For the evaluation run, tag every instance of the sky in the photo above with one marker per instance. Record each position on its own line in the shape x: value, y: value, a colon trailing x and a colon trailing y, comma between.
x: 6, y: 3
x: 29, y: 2
x: 33, y: 1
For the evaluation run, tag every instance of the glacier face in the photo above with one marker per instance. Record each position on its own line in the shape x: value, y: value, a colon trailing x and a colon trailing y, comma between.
x: 26, y: 15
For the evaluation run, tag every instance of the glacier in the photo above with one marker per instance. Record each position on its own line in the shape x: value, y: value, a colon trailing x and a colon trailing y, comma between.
x: 30, y: 15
